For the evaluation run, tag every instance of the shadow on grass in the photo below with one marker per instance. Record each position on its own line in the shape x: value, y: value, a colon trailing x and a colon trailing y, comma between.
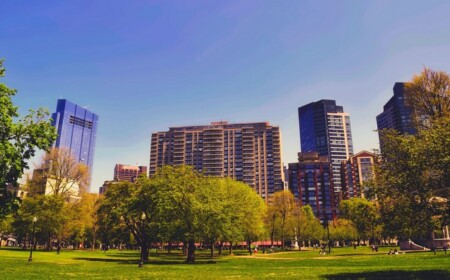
x: 392, y: 274
x: 166, y: 261
x: 122, y: 261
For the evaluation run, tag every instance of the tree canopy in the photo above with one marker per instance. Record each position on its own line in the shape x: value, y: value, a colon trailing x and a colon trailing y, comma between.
x: 179, y: 204
x: 429, y: 94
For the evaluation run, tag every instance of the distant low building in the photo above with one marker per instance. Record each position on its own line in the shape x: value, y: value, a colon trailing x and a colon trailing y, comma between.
x: 106, y: 185
x: 49, y: 185
x: 355, y: 171
x: 123, y: 172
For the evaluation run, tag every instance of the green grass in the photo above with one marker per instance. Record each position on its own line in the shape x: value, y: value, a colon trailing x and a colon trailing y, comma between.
x: 343, y: 263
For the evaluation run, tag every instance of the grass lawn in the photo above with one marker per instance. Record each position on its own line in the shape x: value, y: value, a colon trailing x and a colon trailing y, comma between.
x: 343, y: 263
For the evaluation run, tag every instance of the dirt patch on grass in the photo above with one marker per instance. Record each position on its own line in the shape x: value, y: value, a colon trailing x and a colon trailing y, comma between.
x: 265, y: 258
x: 328, y: 258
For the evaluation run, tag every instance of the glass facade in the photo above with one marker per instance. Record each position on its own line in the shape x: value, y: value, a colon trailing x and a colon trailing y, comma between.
x: 77, y: 131
x: 396, y: 113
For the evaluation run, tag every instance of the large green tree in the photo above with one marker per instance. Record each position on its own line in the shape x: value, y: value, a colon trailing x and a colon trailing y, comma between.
x: 124, y: 207
x: 306, y: 225
x: 415, y: 170
x: 19, y: 140
x: 280, y: 214
x: 51, y: 213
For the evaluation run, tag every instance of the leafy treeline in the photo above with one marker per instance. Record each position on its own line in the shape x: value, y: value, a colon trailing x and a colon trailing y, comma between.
x: 179, y: 204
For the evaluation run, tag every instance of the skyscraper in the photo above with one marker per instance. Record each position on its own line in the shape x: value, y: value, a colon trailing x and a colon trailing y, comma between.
x: 248, y: 152
x: 325, y: 128
x: 77, y: 131
x: 397, y: 114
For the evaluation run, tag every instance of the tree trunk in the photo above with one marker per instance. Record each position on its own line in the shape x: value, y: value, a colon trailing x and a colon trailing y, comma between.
x: 185, y: 248
x: 212, y: 249
x: 220, y: 248
x: 249, y: 243
x: 49, y: 245
x: 231, y: 248
x: 93, y: 241
x: 144, y: 251
x: 169, y: 247
x: 191, y: 252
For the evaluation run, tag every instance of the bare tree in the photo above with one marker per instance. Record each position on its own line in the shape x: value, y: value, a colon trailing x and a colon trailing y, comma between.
x: 61, y: 173
x: 429, y: 95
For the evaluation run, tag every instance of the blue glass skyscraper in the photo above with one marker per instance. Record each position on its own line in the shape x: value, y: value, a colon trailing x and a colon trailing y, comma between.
x: 77, y: 131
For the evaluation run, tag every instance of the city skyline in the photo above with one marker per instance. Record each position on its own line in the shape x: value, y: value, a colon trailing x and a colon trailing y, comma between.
x: 143, y: 67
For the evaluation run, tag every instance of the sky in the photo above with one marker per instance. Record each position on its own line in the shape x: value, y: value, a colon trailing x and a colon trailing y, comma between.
x: 145, y: 66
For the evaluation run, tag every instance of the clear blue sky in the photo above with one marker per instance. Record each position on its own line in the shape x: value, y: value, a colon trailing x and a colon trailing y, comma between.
x: 143, y: 66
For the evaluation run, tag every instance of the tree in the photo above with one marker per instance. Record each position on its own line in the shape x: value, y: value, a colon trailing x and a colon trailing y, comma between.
x: 249, y: 220
x: 415, y: 170
x: 362, y: 213
x: 19, y: 141
x: 429, y: 94
x: 83, y: 224
x: 343, y: 230
x: 307, y: 225
x: 51, y: 212
x: 216, y: 211
x: 282, y: 205
x: 124, y: 207
x: 61, y: 173
x: 245, y: 211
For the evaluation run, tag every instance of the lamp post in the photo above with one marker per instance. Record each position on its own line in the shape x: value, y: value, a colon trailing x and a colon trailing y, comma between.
x: 143, y: 217
x: 32, y: 239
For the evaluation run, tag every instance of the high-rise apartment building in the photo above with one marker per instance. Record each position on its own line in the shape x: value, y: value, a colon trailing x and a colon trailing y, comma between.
x: 355, y: 171
x: 325, y: 128
x: 77, y: 131
x: 311, y: 182
x: 129, y: 173
x: 248, y: 152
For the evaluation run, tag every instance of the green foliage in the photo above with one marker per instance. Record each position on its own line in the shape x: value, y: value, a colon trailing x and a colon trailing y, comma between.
x: 182, y: 205
x: 362, y: 213
x: 415, y: 171
x: 343, y: 230
x: 286, y: 220
x: 280, y: 215
x: 19, y: 140
x: 310, y: 229
x: 51, y: 214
